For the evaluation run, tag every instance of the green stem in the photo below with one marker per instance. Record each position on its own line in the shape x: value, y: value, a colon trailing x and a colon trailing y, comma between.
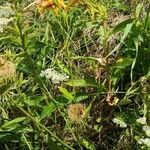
x: 44, y: 128
x: 106, y: 50
x: 30, y: 62
x: 31, y: 66
x: 147, y: 16
x: 68, y: 126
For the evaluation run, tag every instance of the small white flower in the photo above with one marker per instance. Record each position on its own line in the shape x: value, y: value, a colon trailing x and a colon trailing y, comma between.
x: 141, y: 120
x: 120, y: 122
x: 6, y: 16
x: 147, y: 130
x: 5, y: 21
x: 55, y: 76
x: 6, y: 11
x: 145, y: 141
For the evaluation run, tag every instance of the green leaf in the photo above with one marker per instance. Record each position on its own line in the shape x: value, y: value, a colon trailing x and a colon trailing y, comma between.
x: 66, y: 94
x: 62, y: 100
x: 88, y: 145
x: 100, y: 60
x: 62, y: 66
x: 102, y: 33
x: 11, y: 39
x: 34, y: 102
x: 13, y: 122
x: 81, y: 97
x: 84, y: 58
x: 138, y: 9
x: 46, y: 35
x: 47, y: 110
x: 25, y: 141
x: 82, y: 83
x: 123, y: 63
x: 3, y: 113
x: 6, y: 137
x: 125, y: 101
x: 135, y: 59
x: 53, y: 145
x: 121, y: 26
x: 126, y: 32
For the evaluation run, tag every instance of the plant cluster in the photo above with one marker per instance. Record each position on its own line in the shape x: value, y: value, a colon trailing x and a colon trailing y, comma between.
x: 75, y: 74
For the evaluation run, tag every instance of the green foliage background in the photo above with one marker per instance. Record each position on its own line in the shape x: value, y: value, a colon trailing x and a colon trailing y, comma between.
x: 103, y: 46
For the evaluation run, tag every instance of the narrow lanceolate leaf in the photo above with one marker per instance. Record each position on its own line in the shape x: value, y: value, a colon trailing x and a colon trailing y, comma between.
x: 35, y: 101
x: 121, y: 26
x: 13, y: 122
x: 62, y: 66
x: 11, y: 40
x: 123, y: 63
x: 81, y: 97
x: 138, y: 9
x: 134, y: 61
x: 85, y: 83
x: 82, y: 83
x: 66, y: 94
x: 49, y: 109
x: 101, y: 60
x: 126, y: 33
x: 83, y: 57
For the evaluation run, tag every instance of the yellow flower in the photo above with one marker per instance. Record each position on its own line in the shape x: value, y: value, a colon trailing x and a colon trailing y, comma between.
x: 7, y: 68
x: 50, y: 4
x: 76, y: 112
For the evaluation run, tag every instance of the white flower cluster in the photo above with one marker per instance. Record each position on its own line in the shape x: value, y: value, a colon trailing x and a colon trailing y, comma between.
x: 6, y: 14
x: 145, y: 141
x: 4, y: 22
x: 141, y: 120
x: 55, y: 76
x: 120, y: 122
x: 146, y: 129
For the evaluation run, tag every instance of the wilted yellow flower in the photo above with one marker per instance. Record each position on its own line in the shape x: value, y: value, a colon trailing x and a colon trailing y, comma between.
x: 7, y: 68
x: 73, y: 2
x: 111, y: 99
x: 51, y: 4
x: 76, y: 112
x: 94, y: 8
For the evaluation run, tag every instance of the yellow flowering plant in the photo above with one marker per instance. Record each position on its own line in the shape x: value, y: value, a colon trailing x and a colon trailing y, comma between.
x: 56, y: 6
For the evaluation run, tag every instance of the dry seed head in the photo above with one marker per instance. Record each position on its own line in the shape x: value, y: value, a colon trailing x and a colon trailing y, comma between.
x: 111, y: 99
x: 102, y: 61
x: 76, y: 112
x: 2, y: 61
x: 7, y: 68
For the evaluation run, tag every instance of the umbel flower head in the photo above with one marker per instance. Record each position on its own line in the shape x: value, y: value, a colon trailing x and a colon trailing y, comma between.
x: 6, y: 16
x: 141, y: 120
x: 55, y: 76
x: 147, y: 130
x: 145, y: 141
x: 76, y: 112
x: 119, y: 122
x: 7, y: 68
